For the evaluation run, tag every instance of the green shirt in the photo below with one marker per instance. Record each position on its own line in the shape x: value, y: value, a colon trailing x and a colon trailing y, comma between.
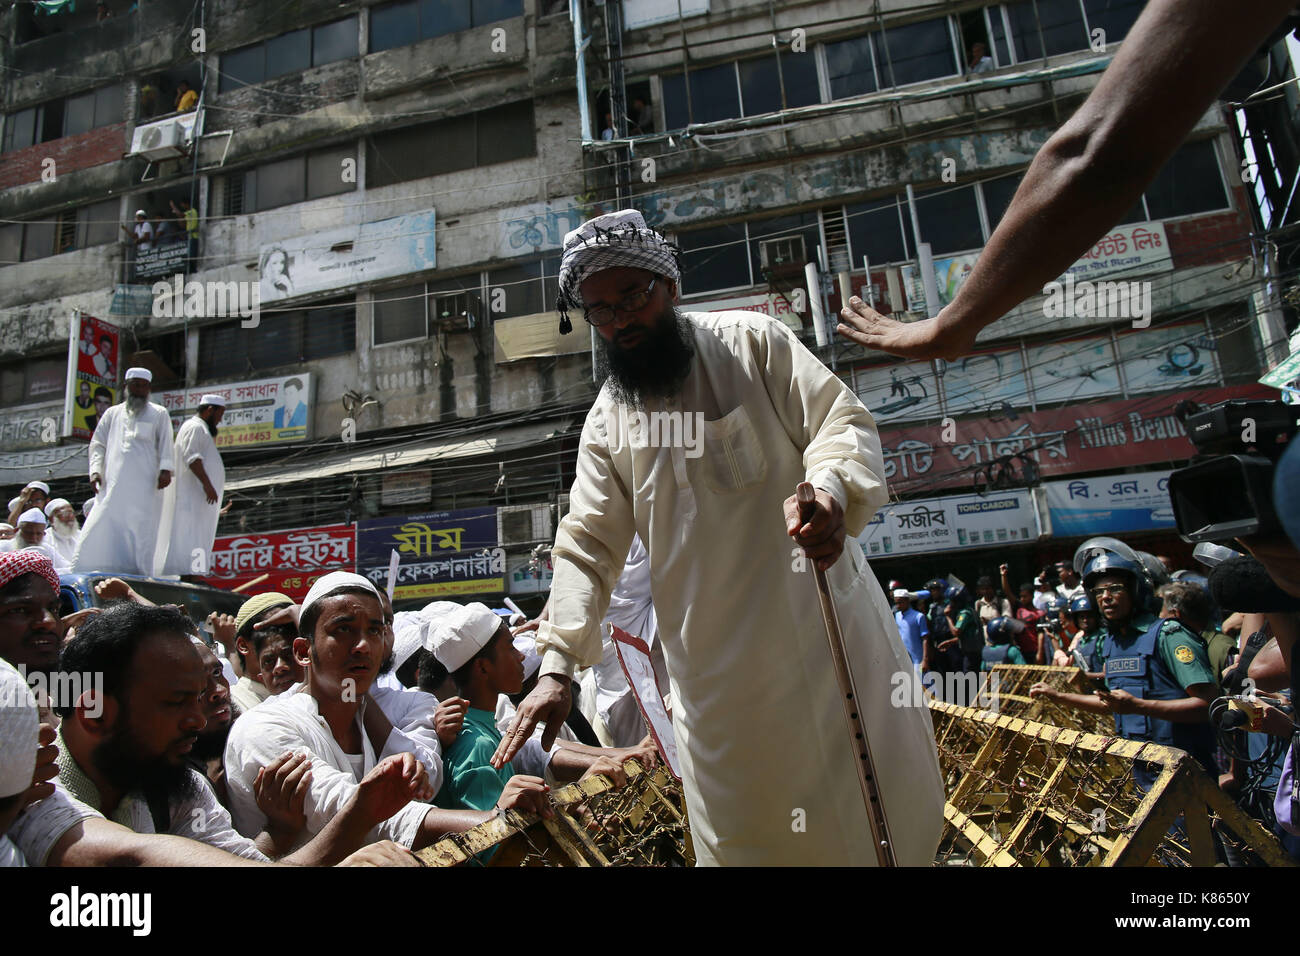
x: 1182, y: 651
x: 969, y: 638
x: 471, y: 780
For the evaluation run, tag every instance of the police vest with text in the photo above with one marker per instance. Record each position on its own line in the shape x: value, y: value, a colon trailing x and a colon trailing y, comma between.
x: 1140, y: 669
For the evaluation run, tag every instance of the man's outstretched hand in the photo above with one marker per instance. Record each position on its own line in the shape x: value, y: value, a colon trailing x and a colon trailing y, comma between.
x: 548, y: 704
x: 926, y: 339
x: 817, y: 528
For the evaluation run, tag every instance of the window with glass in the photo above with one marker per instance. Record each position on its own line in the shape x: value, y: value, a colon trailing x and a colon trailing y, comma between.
x: 282, y: 339
x: 399, y: 315
x: 492, y: 136
x: 851, y: 67
x: 714, y: 258
x: 398, y: 24
x: 917, y: 52
x: 290, y: 52
x: 949, y: 219
x: 1189, y: 183
x: 1046, y: 28
x: 33, y: 380
x: 876, y: 230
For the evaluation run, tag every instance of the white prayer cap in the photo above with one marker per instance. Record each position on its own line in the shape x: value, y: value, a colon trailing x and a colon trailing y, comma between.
x: 463, y: 633
x: 13, y: 503
x: 6, y: 526
x: 137, y: 372
x: 409, y: 633
x: 86, y: 507
x: 54, y: 504
x: 902, y: 592
x: 32, y: 516
x: 526, y: 646
x: 436, y: 611
x: 212, y: 398
x: 37, y: 484
x: 141, y: 212
x: 20, y: 728
x: 328, y: 582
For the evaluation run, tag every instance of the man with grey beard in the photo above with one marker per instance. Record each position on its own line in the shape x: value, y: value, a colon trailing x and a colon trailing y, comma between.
x: 64, y: 531
x: 130, y: 464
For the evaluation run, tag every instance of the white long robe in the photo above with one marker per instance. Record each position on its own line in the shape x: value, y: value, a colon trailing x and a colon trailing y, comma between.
x: 768, y: 766
x: 65, y: 548
x: 127, y: 451
x: 189, y: 521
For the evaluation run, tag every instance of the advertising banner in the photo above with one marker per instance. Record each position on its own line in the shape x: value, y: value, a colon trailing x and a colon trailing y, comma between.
x: 163, y: 260
x: 262, y: 412
x: 1110, y: 504
x: 293, y: 559
x: 441, y: 553
x: 342, y: 257
x: 92, y: 374
x: 951, y: 524
x: 1061, y: 441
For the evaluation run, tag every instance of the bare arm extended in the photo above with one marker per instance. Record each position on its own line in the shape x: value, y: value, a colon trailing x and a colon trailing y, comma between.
x: 1178, y: 57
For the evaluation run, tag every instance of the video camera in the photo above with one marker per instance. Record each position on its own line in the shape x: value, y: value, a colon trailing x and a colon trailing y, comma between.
x: 1230, y: 495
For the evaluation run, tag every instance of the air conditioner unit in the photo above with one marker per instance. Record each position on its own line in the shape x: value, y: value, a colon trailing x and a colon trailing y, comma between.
x: 784, y: 253
x: 523, y: 524
x: 165, y: 139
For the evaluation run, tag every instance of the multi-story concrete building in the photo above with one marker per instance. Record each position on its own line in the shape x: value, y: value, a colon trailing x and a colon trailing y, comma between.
x: 390, y: 183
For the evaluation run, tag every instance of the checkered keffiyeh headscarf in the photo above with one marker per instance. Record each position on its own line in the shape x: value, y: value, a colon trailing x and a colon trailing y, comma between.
x: 619, y: 239
x: 14, y: 564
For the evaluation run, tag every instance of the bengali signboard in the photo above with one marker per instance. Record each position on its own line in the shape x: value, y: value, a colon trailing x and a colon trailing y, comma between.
x: 1061, y: 441
x: 952, y: 523
x: 1110, y: 504
x: 293, y: 559
x: 780, y: 307
x: 163, y: 259
x: 441, y: 553
x: 262, y: 412
x: 93, y: 349
x: 342, y: 257
x: 1132, y: 250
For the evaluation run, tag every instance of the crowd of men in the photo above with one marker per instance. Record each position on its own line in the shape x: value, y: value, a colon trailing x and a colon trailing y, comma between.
x: 337, y: 756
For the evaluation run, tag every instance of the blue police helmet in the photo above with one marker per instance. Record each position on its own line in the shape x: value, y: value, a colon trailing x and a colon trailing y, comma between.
x: 999, y: 630
x: 1110, y: 563
x: 956, y: 594
x: 1082, y: 603
x: 1055, y: 604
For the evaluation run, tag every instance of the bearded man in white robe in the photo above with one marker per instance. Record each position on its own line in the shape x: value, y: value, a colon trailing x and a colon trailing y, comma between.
x: 702, y: 431
x: 193, y: 503
x: 130, y: 464
x: 64, y: 532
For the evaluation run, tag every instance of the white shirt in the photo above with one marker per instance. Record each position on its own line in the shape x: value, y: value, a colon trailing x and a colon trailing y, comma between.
x: 10, y: 855
x: 189, y: 520
x: 292, y: 721
x: 127, y: 451
x: 1070, y: 593
x: 144, y: 229
x: 43, y: 824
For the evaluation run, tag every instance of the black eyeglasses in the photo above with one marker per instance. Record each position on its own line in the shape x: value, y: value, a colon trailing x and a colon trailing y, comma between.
x: 604, y: 314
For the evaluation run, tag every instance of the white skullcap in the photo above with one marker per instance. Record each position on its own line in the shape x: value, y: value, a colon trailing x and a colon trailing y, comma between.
x: 436, y: 611
x: 137, y: 372
x: 86, y: 506
x: 212, y: 398
x: 54, y: 504
x: 141, y: 212
x: 335, y: 579
x: 526, y: 646
x: 37, y: 484
x: 409, y: 633
x: 6, y: 526
x: 13, y: 503
x: 902, y: 592
x: 32, y: 516
x: 461, y: 634
x: 20, y: 728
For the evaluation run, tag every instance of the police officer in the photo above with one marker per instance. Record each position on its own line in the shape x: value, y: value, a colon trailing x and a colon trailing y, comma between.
x: 999, y: 643
x: 961, y: 635
x: 947, y: 660
x: 1158, y: 678
x: 1086, y: 649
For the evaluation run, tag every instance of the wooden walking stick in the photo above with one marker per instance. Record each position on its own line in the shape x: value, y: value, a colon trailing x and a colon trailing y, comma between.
x: 867, y: 779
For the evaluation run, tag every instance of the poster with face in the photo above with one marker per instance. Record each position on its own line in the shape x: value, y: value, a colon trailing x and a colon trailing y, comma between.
x: 93, y: 369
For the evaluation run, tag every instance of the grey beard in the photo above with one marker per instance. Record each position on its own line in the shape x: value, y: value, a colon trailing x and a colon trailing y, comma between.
x: 66, y: 529
x: 136, y: 403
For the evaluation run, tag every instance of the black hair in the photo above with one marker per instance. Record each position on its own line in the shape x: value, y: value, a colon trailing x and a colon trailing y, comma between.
x: 104, y: 392
x: 1027, y: 586
x: 295, y: 382
x: 462, y: 675
x: 259, y: 638
x: 107, y: 643
x: 307, y: 620
x: 430, y: 674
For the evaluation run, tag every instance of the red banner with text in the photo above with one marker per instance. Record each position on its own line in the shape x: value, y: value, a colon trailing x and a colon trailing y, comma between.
x: 293, y: 560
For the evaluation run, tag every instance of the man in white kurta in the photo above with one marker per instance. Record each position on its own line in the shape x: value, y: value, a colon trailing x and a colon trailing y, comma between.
x: 768, y: 765
x: 63, y: 533
x: 195, y: 506
x: 130, y: 464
